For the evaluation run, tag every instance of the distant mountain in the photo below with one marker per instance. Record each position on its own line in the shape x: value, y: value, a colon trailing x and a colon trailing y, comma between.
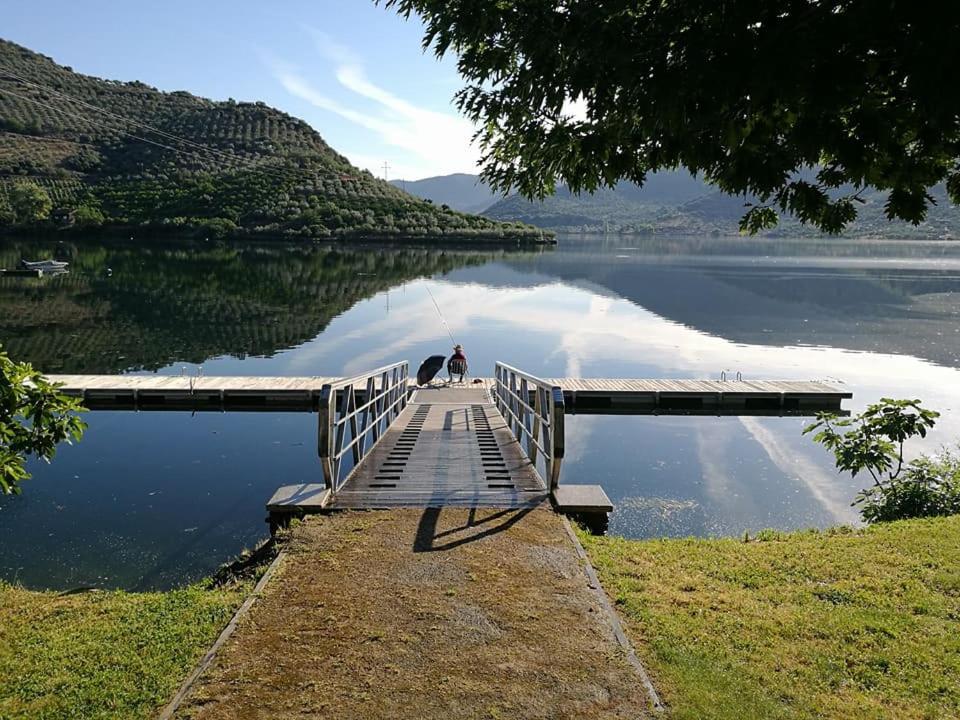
x: 80, y: 151
x: 674, y: 202
x: 460, y: 191
x: 625, y: 208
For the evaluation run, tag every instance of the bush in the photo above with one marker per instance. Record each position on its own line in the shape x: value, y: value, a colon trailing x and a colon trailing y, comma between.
x: 89, y: 216
x: 34, y: 419
x: 217, y: 228
x: 873, y: 441
x: 929, y: 487
x: 30, y: 202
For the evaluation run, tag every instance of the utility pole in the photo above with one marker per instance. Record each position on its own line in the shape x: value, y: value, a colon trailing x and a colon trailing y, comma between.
x: 386, y: 167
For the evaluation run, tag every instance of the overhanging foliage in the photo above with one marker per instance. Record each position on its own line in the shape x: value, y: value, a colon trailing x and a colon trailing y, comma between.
x: 796, y: 105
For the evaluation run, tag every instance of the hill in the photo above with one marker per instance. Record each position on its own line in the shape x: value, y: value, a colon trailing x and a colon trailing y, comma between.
x: 461, y: 191
x: 676, y: 203
x: 120, y: 155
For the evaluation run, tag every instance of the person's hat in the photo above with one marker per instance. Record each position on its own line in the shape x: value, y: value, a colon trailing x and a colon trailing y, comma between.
x: 458, y: 347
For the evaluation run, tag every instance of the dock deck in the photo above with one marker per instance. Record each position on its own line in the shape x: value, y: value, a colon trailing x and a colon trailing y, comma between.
x: 602, y: 396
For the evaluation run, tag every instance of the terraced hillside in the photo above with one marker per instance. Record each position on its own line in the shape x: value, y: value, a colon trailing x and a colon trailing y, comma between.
x: 125, y: 155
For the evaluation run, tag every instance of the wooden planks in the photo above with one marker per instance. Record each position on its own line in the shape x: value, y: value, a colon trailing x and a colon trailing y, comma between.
x: 451, y: 447
x: 183, y: 392
x: 635, y: 396
x: 602, y: 396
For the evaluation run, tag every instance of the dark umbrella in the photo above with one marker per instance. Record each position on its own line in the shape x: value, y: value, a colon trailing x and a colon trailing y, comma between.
x: 430, y: 367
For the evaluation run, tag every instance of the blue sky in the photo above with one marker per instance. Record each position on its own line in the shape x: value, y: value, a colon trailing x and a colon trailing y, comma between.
x: 353, y: 70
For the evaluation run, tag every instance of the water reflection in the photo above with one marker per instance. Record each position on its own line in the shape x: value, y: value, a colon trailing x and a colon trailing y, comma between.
x: 148, y: 500
x: 128, y: 307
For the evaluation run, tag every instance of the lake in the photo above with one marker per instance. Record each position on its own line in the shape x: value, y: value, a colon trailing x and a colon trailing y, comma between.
x: 153, y: 500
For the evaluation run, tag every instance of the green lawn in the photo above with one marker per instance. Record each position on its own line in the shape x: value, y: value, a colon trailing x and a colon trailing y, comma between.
x: 836, y: 624
x: 103, y: 654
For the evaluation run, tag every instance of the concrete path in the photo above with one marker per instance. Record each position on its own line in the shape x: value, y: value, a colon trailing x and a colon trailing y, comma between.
x: 424, y: 613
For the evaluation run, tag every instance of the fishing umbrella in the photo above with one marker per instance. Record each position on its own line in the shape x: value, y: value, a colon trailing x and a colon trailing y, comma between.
x: 429, y: 369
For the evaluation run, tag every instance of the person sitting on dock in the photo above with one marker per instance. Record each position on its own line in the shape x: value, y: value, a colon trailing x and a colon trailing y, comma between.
x: 457, y: 364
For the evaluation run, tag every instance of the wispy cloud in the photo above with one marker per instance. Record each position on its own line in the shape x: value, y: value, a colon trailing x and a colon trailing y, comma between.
x: 425, y: 141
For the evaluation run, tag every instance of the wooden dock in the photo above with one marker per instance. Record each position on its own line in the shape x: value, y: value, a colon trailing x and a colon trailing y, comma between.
x: 186, y: 392
x: 597, y: 396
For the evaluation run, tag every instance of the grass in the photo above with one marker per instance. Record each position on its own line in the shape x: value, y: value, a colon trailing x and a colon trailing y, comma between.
x: 104, y: 654
x: 834, y: 624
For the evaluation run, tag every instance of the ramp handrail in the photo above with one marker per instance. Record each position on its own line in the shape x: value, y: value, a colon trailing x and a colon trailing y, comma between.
x: 346, y: 426
x: 538, y: 427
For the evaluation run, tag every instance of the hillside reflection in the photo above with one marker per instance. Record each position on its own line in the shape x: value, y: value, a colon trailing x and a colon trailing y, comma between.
x: 125, y: 307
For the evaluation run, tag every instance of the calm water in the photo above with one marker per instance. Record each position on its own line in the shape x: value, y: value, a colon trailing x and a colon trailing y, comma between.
x: 157, y: 499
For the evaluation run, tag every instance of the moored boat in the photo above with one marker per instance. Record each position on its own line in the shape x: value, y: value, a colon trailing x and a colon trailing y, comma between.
x: 45, y: 265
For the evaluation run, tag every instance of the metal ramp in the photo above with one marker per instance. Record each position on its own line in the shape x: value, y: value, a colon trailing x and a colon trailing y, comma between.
x: 450, y: 447
x: 383, y: 445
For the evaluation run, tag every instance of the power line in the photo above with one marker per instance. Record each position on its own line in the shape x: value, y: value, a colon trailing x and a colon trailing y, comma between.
x: 93, y: 122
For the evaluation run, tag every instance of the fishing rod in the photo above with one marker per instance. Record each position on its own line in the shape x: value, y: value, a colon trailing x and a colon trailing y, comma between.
x: 446, y: 327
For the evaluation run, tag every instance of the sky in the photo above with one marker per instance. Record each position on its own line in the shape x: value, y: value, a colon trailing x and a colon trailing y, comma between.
x: 354, y: 70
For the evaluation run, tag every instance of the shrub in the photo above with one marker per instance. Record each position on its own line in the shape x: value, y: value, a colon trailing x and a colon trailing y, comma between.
x: 929, y: 487
x: 874, y: 442
x: 30, y: 202
x: 34, y: 419
x: 89, y: 216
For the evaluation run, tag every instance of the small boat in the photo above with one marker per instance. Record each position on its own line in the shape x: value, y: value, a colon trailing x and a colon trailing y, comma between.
x: 45, y: 265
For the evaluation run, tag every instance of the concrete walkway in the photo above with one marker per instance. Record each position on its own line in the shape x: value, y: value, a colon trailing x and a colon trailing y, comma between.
x: 424, y: 613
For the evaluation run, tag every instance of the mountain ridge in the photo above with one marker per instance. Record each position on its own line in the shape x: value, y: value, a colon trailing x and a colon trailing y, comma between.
x: 674, y: 202
x: 460, y: 191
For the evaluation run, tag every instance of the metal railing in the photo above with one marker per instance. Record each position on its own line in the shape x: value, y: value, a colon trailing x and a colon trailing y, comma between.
x: 348, y: 427
x: 537, y: 427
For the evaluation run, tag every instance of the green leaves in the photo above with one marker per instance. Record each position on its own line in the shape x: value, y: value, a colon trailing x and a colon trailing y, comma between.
x: 873, y: 442
x: 30, y: 202
x: 930, y: 487
x: 757, y: 218
x: 34, y: 419
x: 755, y: 96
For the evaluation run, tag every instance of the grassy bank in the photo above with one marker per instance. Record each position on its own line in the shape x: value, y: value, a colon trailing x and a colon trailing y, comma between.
x: 104, y: 654
x: 835, y: 624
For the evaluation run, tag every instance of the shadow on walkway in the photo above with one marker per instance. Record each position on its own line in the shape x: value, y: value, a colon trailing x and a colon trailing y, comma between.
x: 427, y: 535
